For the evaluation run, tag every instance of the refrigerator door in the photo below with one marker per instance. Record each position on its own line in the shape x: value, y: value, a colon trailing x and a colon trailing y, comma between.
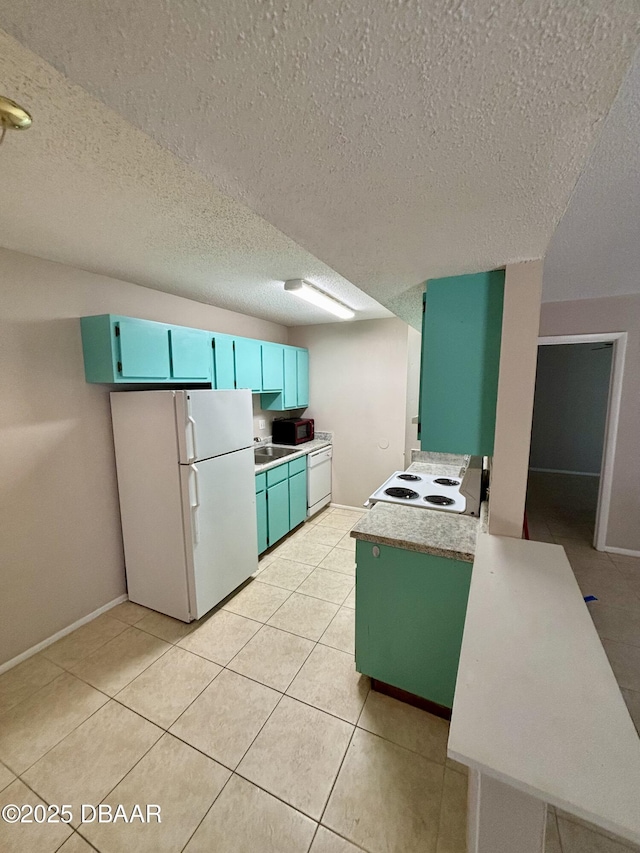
x: 211, y: 423
x: 219, y: 510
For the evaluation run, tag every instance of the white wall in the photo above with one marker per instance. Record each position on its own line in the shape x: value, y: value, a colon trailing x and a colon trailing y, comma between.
x: 516, y: 381
x: 612, y: 314
x: 414, y: 350
x: 60, y: 546
x: 570, y: 407
x: 358, y: 390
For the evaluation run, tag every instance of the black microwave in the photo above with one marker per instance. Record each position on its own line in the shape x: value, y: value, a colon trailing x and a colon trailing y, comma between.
x: 292, y: 430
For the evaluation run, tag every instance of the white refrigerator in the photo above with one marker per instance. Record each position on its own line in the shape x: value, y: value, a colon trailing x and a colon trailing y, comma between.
x: 186, y: 480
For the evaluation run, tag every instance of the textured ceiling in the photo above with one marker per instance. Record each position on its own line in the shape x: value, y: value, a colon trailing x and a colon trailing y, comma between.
x: 595, y: 250
x: 394, y: 141
x: 86, y: 188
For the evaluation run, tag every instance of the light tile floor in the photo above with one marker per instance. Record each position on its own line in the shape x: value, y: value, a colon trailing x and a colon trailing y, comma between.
x: 251, y: 728
x: 561, y: 508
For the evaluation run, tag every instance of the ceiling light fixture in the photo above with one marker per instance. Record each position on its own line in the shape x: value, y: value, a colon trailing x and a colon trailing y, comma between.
x: 301, y: 288
x: 12, y: 116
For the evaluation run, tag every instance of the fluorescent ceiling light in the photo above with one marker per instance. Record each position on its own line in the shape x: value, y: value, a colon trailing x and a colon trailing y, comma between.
x: 300, y: 287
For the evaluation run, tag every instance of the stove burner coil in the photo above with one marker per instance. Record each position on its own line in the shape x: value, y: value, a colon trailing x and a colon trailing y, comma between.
x: 396, y: 492
x: 412, y: 478
x: 445, y: 481
x: 439, y: 500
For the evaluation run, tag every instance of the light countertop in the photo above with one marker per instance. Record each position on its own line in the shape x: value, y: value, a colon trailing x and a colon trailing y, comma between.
x: 445, y: 534
x: 300, y: 450
x: 536, y: 704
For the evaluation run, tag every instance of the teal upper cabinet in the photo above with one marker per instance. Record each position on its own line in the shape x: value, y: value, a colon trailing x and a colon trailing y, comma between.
x: 272, y: 367
x: 127, y: 350
x: 123, y: 349
x: 278, y: 510
x: 302, y: 376
x: 248, y: 363
x: 295, y: 392
x: 190, y: 354
x: 144, y: 350
x: 290, y: 391
x: 461, y: 332
x: 224, y: 371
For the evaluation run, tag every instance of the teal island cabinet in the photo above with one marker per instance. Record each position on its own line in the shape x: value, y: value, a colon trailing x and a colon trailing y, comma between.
x: 410, y: 611
x: 460, y: 360
x: 281, y: 500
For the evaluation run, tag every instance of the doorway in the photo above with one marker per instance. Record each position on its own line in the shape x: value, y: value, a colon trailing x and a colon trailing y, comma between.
x: 577, y: 397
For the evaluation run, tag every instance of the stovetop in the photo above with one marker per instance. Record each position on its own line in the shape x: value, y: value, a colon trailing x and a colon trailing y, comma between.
x: 412, y: 489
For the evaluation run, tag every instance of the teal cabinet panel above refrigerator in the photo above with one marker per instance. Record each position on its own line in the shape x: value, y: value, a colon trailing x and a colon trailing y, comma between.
x: 134, y: 351
x: 460, y: 361
x: 190, y: 354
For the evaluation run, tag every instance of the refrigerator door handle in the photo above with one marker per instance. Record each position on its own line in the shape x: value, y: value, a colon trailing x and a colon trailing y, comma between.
x: 192, y: 428
x: 195, y: 506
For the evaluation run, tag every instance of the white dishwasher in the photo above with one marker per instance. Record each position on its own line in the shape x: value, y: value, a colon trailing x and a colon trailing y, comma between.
x: 318, y: 479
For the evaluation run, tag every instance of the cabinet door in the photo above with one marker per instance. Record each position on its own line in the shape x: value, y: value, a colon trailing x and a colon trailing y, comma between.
x: 278, y: 511
x: 462, y: 327
x: 272, y: 367
x: 224, y: 374
x: 190, y: 354
x: 410, y: 611
x: 290, y: 393
x: 297, y: 499
x: 248, y: 362
x: 144, y: 349
x: 302, y: 379
x: 261, y: 509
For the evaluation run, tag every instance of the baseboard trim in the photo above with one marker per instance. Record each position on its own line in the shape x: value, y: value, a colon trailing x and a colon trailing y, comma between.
x: 626, y: 552
x: 60, y: 634
x: 411, y: 699
x: 562, y: 471
x: 346, y: 506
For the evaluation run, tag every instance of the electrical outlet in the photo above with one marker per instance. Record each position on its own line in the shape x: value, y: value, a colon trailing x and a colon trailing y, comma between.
x: 262, y: 424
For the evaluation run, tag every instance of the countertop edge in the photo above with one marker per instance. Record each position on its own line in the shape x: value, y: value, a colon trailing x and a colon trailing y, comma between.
x: 266, y: 466
x: 404, y: 545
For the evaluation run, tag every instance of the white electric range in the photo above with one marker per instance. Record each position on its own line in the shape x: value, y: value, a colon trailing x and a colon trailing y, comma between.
x: 427, y: 491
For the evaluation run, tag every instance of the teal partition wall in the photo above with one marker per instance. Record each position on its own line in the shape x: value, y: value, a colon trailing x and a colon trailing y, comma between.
x: 461, y: 332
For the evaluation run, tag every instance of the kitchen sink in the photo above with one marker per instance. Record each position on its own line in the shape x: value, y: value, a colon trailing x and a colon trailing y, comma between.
x: 269, y: 453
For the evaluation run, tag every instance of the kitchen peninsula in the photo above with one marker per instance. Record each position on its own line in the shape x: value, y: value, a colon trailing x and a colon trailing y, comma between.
x: 413, y: 570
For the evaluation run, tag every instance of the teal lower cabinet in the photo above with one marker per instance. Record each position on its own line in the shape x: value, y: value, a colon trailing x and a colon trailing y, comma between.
x: 278, y: 511
x: 298, y: 498
x: 410, y: 611
x: 281, y: 498
x: 261, y: 509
